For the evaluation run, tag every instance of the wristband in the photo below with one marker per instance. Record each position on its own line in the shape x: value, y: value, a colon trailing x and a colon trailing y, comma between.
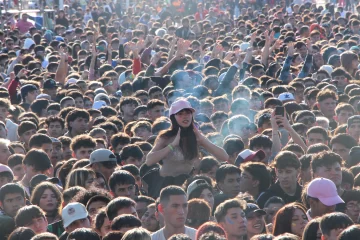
x: 171, y: 147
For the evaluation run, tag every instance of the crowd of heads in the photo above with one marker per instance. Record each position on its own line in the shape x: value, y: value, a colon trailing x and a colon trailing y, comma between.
x: 205, y: 120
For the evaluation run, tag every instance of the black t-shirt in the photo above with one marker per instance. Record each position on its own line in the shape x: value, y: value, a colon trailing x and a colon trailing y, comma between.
x: 276, y: 190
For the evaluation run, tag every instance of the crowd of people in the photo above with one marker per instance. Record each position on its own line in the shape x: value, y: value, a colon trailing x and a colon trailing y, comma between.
x: 182, y: 121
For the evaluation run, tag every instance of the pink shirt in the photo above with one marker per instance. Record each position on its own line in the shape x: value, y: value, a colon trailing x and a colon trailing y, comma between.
x: 24, y: 26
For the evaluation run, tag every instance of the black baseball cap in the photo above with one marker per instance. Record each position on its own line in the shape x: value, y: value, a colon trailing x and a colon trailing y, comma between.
x: 253, y: 208
x: 50, y: 83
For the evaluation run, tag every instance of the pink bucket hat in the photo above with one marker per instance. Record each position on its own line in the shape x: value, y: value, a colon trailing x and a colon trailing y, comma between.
x: 179, y: 105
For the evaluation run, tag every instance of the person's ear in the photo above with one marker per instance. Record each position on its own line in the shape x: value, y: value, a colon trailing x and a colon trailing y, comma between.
x: 323, y: 237
x: 160, y: 208
x: 317, y: 105
x: 335, y: 118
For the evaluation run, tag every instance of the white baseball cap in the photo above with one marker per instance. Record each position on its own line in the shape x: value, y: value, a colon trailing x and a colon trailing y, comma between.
x: 286, y: 96
x: 73, y: 212
x: 98, y: 104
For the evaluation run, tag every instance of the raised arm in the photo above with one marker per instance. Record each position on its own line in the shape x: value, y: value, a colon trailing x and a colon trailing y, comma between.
x: 285, y: 71
x: 161, y: 150
x: 62, y: 69
x: 217, y: 152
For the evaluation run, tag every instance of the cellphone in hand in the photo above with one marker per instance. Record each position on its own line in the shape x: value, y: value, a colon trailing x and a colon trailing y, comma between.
x: 279, y: 111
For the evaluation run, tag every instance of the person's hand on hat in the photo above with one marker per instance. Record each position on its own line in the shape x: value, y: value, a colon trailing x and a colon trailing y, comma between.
x: 291, y: 49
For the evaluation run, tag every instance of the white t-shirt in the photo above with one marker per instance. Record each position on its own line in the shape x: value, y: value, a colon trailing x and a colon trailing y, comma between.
x: 159, y: 235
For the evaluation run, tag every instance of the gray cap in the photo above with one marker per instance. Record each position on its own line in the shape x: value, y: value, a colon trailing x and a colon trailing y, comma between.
x: 102, y: 155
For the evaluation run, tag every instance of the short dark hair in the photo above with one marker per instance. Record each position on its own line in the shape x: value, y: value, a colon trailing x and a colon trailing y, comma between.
x: 224, y: 170
x: 344, y: 139
x: 144, y: 199
x: 259, y: 172
x: 207, y: 163
x: 45, y: 236
x: 350, y: 233
x: 347, y: 176
x: 15, y: 160
x: 26, y: 214
x: 83, y: 233
x: 82, y: 140
x: 119, y: 138
x: 11, y: 188
x: 120, y: 177
x: 21, y: 233
x: 74, y: 114
x: 131, y: 168
x: 26, y: 126
x: 125, y: 220
x: 52, y: 119
x: 319, y: 130
x: 233, y: 145
x: 316, y: 148
x: 153, y: 103
x: 37, y: 159
x: 38, y: 139
x: 325, y: 158
x: 222, y: 209
x: 131, y: 150
x: 260, y: 140
x: 169, y: 191
x: 286, y: 159
x: 117, y: 204
x: 334, y: 220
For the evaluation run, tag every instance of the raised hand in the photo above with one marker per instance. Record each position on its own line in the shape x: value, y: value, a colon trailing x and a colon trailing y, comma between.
x: 155, y: 59
x: 199, y: 136
x: 176, y: 140
x: 248, y: 55
x: 291, y: 50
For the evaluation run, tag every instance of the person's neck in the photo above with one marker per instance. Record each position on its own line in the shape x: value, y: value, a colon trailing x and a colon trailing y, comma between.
x: 25, y: 181
x: 171, y: 230
x: 254, y: 192
x: 290, y: 190
x: 74, y: 133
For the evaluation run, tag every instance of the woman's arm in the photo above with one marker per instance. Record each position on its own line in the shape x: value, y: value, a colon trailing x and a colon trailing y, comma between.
x: 217, y: 152
x: 159, y: 152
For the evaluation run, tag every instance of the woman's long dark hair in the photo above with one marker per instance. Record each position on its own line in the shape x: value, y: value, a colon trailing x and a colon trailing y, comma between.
x: 283, y: 218
x: 188, y: 143
x: 310, y: 230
